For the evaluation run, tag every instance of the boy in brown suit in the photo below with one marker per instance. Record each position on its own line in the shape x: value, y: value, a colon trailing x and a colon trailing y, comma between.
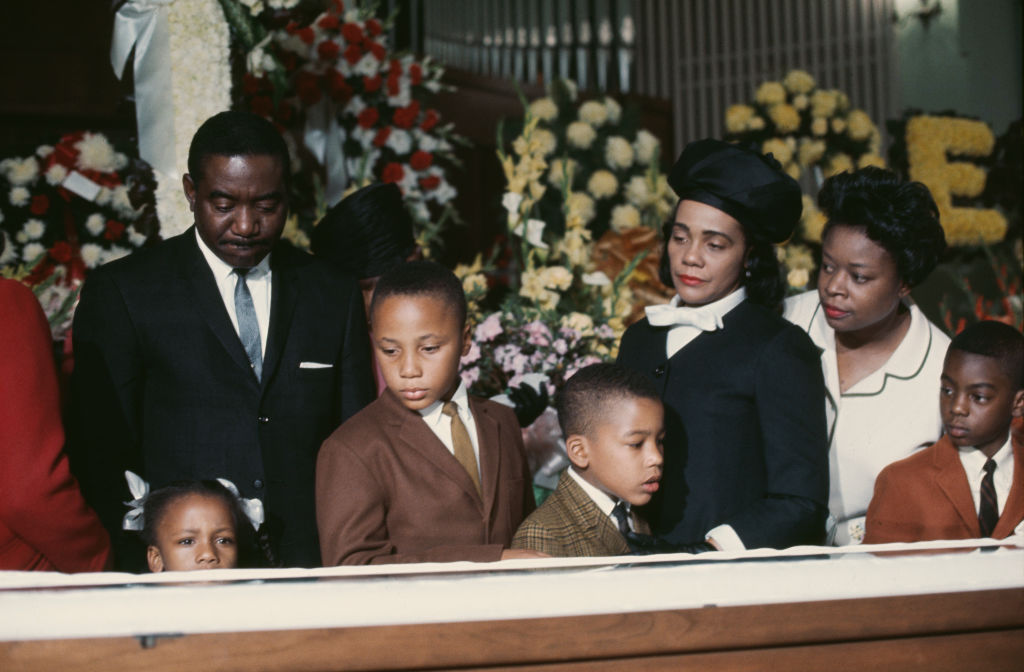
x: 613, y: 423
x: 426, y: 473
x: 971, y: 483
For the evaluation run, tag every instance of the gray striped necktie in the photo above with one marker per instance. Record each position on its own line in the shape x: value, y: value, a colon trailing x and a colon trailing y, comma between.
x: 248, y: 327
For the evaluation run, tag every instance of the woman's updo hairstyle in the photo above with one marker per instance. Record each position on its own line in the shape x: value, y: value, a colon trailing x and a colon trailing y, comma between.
x: 900, y: 216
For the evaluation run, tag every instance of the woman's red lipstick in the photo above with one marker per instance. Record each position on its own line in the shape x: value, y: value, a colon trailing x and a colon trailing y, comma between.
x: 835, y: 313
x: 689, y: 280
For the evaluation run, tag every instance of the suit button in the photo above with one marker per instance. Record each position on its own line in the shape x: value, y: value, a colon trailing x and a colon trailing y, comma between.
x: 263, y: 419
x: 257, y: 484
x: 659, y: 371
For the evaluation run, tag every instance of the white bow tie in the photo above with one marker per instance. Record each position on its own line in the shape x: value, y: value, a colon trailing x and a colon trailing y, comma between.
x: 683, y: 316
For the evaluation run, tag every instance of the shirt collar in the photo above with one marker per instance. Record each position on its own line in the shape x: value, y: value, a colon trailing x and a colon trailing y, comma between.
x: 601, y: 498
x: 222, y: 270
x: 432, y: 414
x: 975, y: 460
x: 717, y: 308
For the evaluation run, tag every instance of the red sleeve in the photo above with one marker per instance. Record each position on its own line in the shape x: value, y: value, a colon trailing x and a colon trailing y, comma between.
x: 40, y: 501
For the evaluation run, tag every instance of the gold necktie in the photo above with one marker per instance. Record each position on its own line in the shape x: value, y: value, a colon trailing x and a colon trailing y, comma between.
x: 462, y: 444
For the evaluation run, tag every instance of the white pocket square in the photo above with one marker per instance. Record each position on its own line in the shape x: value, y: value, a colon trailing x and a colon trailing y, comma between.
x: 315, y: 365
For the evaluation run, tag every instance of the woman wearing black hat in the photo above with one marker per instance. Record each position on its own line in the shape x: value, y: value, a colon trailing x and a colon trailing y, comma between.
x: 746, y: 451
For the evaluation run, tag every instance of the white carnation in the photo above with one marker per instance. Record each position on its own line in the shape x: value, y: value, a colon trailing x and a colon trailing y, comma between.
x: 56, y: 173
x: 580, y: 134
x: 367, y: 66
x: 625, y: 217
x: 613, y: 109
x: 425, y: 141
x: 135, y: 238
x: 34, y: 229
x: 95, y: 224
x: 20, y: 172
x: 544, y: 109
x: 122, y: 202
x: 91, y: 253
x: 618, y: 152
x: 19, y: 196
x: 399, y: 141
x: 638, y: 192
x: 602, y: 184
x: 96, y: 153
x: 593, y: 112
x: 32, y: 251
x: 646, y: 147
x: 104, y: 194
x: 114, y: 253
x: 7, y: 253
x: 43, y: 151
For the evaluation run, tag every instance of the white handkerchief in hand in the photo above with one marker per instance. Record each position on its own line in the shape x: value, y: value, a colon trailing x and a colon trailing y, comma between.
x: 315, y: 365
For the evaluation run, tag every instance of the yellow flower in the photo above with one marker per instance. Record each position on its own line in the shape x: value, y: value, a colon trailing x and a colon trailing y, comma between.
x: 810, y: 151
x: 625, y: 217
x: 556, y: 277
x: 798, y: 81
x: 544, y: 142
x: 474, y: 283
x: 561, y: 173
x: 580, y: 134
x: 521, y: 146
x: 797, y: 278
x: 812, y: 220
x: 593, y: 113
x: 870, y: 159
x: 295, y: 235
x: 618, y: 153
x: 736, y: 118
x: 770, y: 93
x: 638, y: 191
x: 860, y: 125
x: 544, y: 109
x: 645, y: 146
x: 838, y: 124
x: 801, y: 101
x: 756, y: 123
x: 823, y: 103
x: 786, y: 118
x: 581, y: 322
x: 581, y: 205
x: 793, y: 170
x: 778, y: 148
x: 819, y: 126
x: 602, y: 184
x: 839, y: 163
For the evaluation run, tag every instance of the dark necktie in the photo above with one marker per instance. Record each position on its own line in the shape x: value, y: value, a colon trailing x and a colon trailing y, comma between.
x: 248, y: 327
x: 621, y: 518
x: 988, y: 512
x: 462, y: 445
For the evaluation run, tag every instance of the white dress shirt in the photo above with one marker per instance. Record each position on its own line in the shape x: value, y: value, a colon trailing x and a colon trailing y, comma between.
x: 974, y: 466
x: 441, y: 425
x: 602, y: 499
x: 258, y: 281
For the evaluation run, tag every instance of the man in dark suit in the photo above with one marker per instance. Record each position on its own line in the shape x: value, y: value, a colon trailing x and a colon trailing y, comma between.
x: 221, y: 352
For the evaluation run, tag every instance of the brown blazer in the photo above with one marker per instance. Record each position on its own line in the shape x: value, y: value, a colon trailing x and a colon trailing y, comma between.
x: 387, y: 489
x: 569, y: 524
x: 926, y: 496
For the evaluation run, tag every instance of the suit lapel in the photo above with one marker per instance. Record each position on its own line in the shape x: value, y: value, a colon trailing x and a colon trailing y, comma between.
x: 488, y: 438
x: 1013, y: 510
x: 284, y: 291
x: 597, y: 534
x: 208, y: 302
x: 952, y: 481
x: 412, y: 431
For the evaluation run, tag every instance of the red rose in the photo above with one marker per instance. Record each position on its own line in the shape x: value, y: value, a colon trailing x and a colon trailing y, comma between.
x: 291, y: 28
x: 377, y: 50
x: 393, y: 172
x: 339, y: 88
x: 262, y: 105
x: 306, y: 34
x: 61, y: 252
x: 328, y: 22
x: 114, y: 230
x: 374, y: 28
x: 328, y: 50
x: 40, y: 204
x: 368, y: 117
x: 430, y: 119
x: 372, y: 84
x: 290, y: 60
x: 382, y: 136
x: 251, y: 84
x: 421, y: 160
x: 429, y: 182
x: 415, y: 74
x: 353, y: 53
x: 405, y: 117
x: 395, y: 67
x: 307, y: 86
x: 352, y: 33
x: 393, y: 81
x: 337, y: 6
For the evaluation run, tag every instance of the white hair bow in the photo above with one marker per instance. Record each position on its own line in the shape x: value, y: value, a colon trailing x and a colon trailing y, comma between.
x: 253, y: 507
x: 133, y: 520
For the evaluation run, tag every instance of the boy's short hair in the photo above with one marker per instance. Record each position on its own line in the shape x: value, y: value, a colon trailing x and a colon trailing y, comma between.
x: 421, y: 278
x: 999, y: 341
x: 584, y: 398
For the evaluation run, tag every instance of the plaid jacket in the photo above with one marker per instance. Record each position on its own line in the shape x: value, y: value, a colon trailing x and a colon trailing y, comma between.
x: 569, y: 524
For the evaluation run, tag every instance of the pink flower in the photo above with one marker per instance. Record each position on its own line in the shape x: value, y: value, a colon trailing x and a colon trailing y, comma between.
x: 470, y: 376
x: 489, y: 329
x: 473, y: 355
x: 538, y: 333
x: 560, y: 346
x: 519, y: 363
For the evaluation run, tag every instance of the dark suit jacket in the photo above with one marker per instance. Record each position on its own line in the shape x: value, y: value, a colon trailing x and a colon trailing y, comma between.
x: 388, y: 490
x: 745, y: 440
x: 570, y: 525
x: 162, y: 385
x: 926, y: 496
